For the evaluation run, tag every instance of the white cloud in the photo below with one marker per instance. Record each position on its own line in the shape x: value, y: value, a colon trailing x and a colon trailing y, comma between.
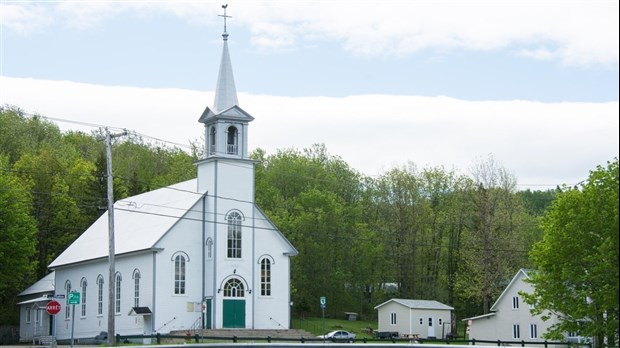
x: 573, y: 32
x: 542, y: 143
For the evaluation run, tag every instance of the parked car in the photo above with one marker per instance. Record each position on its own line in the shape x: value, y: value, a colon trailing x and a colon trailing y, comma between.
x: 102, y: 337
x: 339, y: 336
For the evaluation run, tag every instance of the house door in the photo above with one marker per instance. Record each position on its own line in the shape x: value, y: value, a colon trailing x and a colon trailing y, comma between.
x: 207, y: 314
x: 234, y: 304
x: 431, y: 328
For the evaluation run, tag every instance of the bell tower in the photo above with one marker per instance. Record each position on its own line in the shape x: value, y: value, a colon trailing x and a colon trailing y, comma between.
x: 226, y: 124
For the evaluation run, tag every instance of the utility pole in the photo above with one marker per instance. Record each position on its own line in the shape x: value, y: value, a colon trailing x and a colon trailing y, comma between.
x: 112, y: 270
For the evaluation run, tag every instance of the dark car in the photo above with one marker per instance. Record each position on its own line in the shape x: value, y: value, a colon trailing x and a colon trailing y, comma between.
x: 102, y: 337
x: 339, y: 336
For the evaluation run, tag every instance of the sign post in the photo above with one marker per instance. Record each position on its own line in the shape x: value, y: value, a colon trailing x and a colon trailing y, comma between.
x: 74, y: 298
x: 52, y: 308
x: 323, y: 302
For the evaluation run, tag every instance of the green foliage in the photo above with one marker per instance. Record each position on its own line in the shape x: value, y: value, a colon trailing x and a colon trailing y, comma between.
x: 17, y: 236
x: 577, y: 259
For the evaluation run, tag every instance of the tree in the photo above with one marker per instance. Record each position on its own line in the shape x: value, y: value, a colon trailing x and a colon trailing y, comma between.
x: 576, y: 262
x: 17, y: 240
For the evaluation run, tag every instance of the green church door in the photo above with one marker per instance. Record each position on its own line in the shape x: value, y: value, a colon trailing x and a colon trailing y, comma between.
x: 234, y: 314
x: 234, y: 304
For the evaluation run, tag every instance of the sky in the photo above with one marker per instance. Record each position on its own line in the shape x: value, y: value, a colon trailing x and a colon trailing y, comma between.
x: 382, y: 84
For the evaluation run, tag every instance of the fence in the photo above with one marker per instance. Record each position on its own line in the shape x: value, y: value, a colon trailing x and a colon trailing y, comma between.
x: 196, y: 338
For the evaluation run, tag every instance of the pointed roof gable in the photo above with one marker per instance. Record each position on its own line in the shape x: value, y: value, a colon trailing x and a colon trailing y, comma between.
x: 139, y: 223
x: 233, y: 113
x: 225, y: 91
x: 43, y: 285
x: 521, y: 273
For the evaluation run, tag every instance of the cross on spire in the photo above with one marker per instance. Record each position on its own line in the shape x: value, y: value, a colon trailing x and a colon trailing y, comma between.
x: 225, y: 16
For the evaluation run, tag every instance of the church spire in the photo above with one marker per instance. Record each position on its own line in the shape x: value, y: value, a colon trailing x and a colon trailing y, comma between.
x: 225, y: 91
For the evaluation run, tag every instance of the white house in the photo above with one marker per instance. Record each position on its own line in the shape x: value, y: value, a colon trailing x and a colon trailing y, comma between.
x: 197, y: 254
x: 424, y: 318
x: 510, y: 318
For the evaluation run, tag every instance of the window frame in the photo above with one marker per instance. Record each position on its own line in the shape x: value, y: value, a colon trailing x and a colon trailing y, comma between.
x: 83, y: 286
x: 100, y: 282
x: 234, y: 236
x: 118, y: 279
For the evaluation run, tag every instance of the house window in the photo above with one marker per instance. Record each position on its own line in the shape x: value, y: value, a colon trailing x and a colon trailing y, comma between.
x: 209, y: 248
x: 392, y: 318
x: 234, y: 288
x: 136, y: 288
x: 37, y: 315
x: 67, y: 291
x: 234, y: 235
x: 515, y: 302
x: 440, y: 321
x: 231, y: 142
x: 117, y: 302
x: 179, y: 275
x: 430, y: 321
x: 533, y: 331
x: 28, y: 313
x: 421, y: 321
x: 515, y: 331
x: 265, y: 277
x: 83, y: 299
x: 100, y: 295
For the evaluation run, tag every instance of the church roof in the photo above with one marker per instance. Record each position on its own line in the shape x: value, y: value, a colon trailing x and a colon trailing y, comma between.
x: 139, y: 222
x: 43, y: 285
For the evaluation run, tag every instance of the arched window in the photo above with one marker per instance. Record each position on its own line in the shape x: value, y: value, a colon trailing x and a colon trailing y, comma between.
x: 83, y: 284
x: 67, y: 307
x: 234, y: 288
x: 136, y: 288
x: 234, y: 235
x: 100, y: 295
x: 179, y: 274
x: 211, y: 142
x: 117, y: 301
x: 265, y: 277
x: 231, y: 140
x: 209, y: 248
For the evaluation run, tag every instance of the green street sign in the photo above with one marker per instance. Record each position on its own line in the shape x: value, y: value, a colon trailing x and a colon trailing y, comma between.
x: 74, y: 297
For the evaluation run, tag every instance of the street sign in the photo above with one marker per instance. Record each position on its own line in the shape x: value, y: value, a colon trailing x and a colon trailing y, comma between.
x: 323, y: 300
x: 53, y: 307
x: 74, y: 297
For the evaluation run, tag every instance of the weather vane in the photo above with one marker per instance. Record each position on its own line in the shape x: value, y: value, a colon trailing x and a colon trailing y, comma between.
x: 225, y: 16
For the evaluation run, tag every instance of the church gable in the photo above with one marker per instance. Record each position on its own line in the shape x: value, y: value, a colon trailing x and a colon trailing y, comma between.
x: 234, y: 113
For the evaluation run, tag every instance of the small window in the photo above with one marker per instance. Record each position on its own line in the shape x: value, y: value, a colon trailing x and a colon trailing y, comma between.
x: 180, y: 261
x: 234, y: 235
x: 515, y: 302
x: 28, y: 313
x: 430, y: 321
x: 440, y: 321
x: 83, y: 296
x: 209, y: 248
x: 421, y: 321
x: 533, y: 331
x: 67, y: 307
x: 136, y: 288
x: 515, y: 331
x: 393, y: 318
x: 100, y: 295
x: 265, y: 277
x: 117, y: 302
x: 211, y: 143
x: 234, y: 288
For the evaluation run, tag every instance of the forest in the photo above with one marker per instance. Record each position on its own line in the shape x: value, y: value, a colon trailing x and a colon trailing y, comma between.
x: 412, y: 232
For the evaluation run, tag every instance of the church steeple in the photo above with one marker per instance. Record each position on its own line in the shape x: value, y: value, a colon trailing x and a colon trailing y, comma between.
x: 226, y: 124
x: 225, y: 91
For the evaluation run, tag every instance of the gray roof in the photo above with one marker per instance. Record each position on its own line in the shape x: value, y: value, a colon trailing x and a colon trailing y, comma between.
x: 225, y: 91
x: 139, y: 222
x: 43, y: 285
x: 418, y: 304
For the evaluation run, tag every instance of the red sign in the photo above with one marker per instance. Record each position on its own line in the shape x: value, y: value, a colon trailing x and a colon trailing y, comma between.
x: 53, y: 307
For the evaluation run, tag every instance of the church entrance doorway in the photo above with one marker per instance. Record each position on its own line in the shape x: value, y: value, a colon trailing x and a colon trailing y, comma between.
x: 234, y: 304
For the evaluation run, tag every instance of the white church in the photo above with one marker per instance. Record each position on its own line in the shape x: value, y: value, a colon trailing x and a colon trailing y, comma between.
x: 197, y: 254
